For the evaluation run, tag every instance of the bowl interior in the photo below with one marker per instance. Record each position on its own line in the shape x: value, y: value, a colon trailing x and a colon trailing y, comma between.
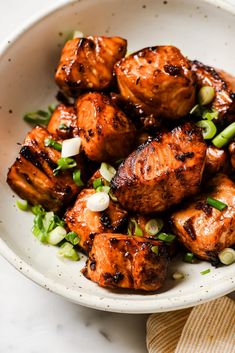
x: 201, y: 31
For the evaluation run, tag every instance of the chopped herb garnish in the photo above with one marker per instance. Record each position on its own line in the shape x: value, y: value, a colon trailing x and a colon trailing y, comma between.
x: 155, y: 249
x: 63, y: 164
x: 22, y: 205
x: 225, y: 136
x: 38, y: 209
x: 39, y: 117
x: 104, y: 188
x: 208, y: 129
x: 73, y: 238
x: 154, y: 226
x: 48, y: 142
x: 67, y: 250
x: 167, y: 237
x: 205, y: 271
x: 77, y: 178
x: 97, y: 182
x: 134, y: 228
x: 189, y: 257
x: 216, y: 204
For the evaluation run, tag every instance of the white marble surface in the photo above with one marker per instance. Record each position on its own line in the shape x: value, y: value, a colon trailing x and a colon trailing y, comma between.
x: 33, y: 320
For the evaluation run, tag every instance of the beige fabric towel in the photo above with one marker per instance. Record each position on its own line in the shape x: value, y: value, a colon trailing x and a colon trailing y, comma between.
x: 206, y: 328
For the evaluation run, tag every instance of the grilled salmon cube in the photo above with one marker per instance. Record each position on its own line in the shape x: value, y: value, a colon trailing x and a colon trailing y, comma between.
x: 223, y: 83
x: 216, y: 161
x: 106, y: 132
x: 120, y: 261
x: 87, y: 223
x: 162, y: 172
x: 87, y: 63
x: 158, y: 81
x: 63, y: 122
x: 32, y: 178
x: 205, y: 230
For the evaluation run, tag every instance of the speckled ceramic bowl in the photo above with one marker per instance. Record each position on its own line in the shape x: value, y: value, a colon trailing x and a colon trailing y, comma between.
x: 202, y: 30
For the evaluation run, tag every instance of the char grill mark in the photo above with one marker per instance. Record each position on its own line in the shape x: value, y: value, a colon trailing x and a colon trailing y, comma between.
x: 127, y: 262
x: 161, y: 173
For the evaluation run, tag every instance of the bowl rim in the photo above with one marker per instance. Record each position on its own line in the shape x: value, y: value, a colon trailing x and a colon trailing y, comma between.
x: 92, y: 300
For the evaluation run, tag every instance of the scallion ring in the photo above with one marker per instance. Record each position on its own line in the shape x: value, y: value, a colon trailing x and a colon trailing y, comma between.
x: 206, y: 95
x: 22, y: 205
x: 154, y: 226
x: 208, y: 129
x: 67, y: 250
x: 56, y: 235
x: 134, y: 228
x: 97, y: 182
x: 72, y: 237
x: 227, y: 256
x: 167, y: 237
x: 107, y: 171
x: 154, y: 249
x: 189, y: 257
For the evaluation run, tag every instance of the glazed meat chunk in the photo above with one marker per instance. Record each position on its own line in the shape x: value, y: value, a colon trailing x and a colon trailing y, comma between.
x: 32, y: 178
x: 117, y: 260
x: 107, y: 134
x: 63, y: 122
x: 87, y: 223
x: 205, y: 230
x: 158, y: 81
x: 216, y: 160
x: 87, y: 63
x: 224, y: 101
x: 161, y: 172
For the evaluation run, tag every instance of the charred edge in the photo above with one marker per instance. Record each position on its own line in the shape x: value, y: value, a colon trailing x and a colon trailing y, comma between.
x: 51, y: 164
x: 30, y: 156
x: 188, y: 227
x: 197, y: 64
x: 172, y: 70
x: 183, y: 156
x: 113, y: 279
x: 213, y: 257
x: 203, y: 205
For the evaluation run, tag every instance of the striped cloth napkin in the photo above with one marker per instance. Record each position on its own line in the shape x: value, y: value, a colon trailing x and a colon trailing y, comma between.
x: 206, y: 328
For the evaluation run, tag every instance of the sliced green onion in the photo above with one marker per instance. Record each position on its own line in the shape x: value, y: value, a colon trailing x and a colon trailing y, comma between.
x: 134, y: 228
x: 49, y: 221
x: 204, y: 272
x: 67, y: 250
x: 155, y: 249
x: 77, y: 178
x: 48, y: 142
x: 178, y: 275
x: 63, y: 127
x: 206, y: 95
x: 104, y: 188
x: 63, y: 164
x: 40, y: 117
x: 38, y: 210
x: 216, y: 203
x: 196, y: 110
x: 225, y: 136
x: 167, y: 237
x: 56, y: 235
x: 73, y: 238
x: 154, y: 226
x: 227, y: 256
x: 97, y: 182
x: 210, y: 114
x: 22, y: 205
x: 52, y: 107
x: 107, y: 171
x: 208, y: 129
x: 38, y: 229
x: 189, y: 257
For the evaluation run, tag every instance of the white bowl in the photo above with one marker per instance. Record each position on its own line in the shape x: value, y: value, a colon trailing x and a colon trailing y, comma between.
x: 201, y: 30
